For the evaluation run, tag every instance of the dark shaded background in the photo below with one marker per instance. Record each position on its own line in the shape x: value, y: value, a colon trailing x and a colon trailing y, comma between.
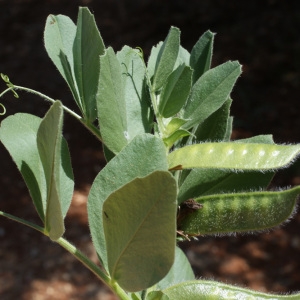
x: 263, y: 35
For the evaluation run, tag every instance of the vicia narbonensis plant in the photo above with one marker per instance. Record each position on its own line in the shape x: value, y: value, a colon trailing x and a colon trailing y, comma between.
x: 172, y: 172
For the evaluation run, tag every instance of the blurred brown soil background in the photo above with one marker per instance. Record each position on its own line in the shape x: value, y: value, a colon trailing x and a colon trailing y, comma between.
x: 263, y: 35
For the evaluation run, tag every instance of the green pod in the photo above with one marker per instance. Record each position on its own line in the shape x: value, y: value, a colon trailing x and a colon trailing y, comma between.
x: 212, y: 290
x: 240, y: 212
x: 233, y: 156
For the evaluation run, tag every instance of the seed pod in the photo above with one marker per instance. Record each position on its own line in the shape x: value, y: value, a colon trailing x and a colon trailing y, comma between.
x: 240, y: 212
x: 233, y: 156
x: 213, y: 290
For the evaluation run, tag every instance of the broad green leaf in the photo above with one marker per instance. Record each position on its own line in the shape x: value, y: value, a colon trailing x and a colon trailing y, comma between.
x: 59, y: 37
x: 142, y: 156
x: 175, y: 91
x: 166, y: 58
x: 18, y: 134
x: 214, y: 128
x: 213, y: 290
x: 210, y: 92
x: 137, y: 101
x: 200, y: 182
x: 239, y: 212
x: 181, y: 271
x: 201, y: 55
x: 233, y: 156
x: 140, y: 228
x: 49, y: 140
x: 111, y: 104
x: 88, y: 46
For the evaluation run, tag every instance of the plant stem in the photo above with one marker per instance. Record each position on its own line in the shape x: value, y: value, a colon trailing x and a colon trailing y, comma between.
x: 22, y: 221
x: 17, y: 87
x: 78, y: 255
x: 93, y: 268
x: 86, y: 124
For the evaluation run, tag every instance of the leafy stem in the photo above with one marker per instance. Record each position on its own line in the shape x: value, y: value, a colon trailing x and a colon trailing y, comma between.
x: 77, y: 254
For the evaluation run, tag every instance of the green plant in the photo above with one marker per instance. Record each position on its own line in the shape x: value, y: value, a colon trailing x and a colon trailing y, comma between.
x: 172, y: 172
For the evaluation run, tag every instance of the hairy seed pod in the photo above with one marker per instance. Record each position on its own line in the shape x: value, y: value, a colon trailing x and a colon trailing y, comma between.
x: 213, y: 290
x: 240, y: 212
x: 233, y: 156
